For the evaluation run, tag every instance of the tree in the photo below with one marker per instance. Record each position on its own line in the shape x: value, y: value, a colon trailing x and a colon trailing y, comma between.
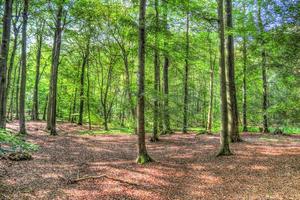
x: 4, y: 49
x: 143, y: 156
x: 84, y: 63
x: 154, y: 137
x: 24, y: 69
x: 186, y: 73
x: 51, y: 114
x: 233, y: 127
x: 166, y: 116
x: 224, y: 147
x: 245, y: 60
x: 211, y: 87
x: 263, y: 69
x: 35, y: 104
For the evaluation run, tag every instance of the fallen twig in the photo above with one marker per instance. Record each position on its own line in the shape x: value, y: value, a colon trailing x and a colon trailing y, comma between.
x: 72, y: 181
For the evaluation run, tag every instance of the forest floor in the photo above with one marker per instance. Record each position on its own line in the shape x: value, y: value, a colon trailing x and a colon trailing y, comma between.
x: 262, y: 167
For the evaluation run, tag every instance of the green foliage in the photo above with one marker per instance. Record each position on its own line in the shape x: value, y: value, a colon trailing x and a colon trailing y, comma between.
x: 16, y: 142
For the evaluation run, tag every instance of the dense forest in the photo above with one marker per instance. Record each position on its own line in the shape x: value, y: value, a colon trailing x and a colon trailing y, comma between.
x: 226, y: 72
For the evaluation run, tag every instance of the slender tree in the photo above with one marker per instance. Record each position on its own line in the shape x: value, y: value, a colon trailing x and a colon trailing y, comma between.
x: 4, y: 49
x: 143, y: 156
x: 166, y: 116
x: 24, y: 69
x: 16, y: 30
x: 51, y: 114
x: 35, y: 105
x: 154, y: 137
x: 233, y: 125
x: 224, y: 147
x: 264, y: 70
x: 211, y: 87
x: 186, y: 73
x: 84, y: 63
x: 245, y: 62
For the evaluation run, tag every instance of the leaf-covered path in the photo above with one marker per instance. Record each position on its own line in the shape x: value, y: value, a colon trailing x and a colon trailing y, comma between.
x: 262, y: 167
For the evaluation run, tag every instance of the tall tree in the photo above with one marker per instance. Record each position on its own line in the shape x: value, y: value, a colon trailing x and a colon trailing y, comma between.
x: 186, y: 73
x: 24, y: 69
x: 224, y: 147
x: 35, y: 105
x: 233, y: 125
x: 166, y: 117
x: 154, y: 137
x: 211, y: 87
x: 143, y: 156
x: 51, y: 113
x: 84, y: 63
x: 4, y: 49
x: 263, y: 69
x: 16, y: 30
x: 245, y: 60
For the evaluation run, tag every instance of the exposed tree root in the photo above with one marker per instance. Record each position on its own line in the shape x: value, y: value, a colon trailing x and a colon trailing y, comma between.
x: 144, y: 158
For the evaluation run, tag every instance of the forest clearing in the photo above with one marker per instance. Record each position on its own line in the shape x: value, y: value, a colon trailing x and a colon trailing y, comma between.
x: 262, y: 167
x: 149, y: 99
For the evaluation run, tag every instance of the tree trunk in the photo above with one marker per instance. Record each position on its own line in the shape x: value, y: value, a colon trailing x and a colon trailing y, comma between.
x: 154, y: 137
x: 143, y: 156
x: 245, y: 128
x: 224, y: 147
x: 81, y: 104
x: 24, y: 69
x: 264, y: 72
x: 166, y: 116
x: 88, y: 95
x: 4, y: 50
x: 35, y: 106
x: 186, y: 75
x: 211, y: 89
x: 18, y: 90
x: 233, y: 125
x: 51, y: 119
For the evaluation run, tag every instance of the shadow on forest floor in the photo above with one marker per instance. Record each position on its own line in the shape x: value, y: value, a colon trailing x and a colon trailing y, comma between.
x: 185, y: 167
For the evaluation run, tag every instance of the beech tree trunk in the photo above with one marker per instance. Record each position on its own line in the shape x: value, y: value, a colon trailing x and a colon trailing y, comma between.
x: 233, y: 125
x: 23, y: 70
x: 143, y: 156
x: 245, y: 60
x: 224, y: 146
x: 211, y: 89
x: 4, y: 49
x: 35, y: 106
x: 81, y: 103
x: 186, y: 75
x: 264, y: 72
x: 156, y: 77
x: 166, y: 116
x: 51, y: 116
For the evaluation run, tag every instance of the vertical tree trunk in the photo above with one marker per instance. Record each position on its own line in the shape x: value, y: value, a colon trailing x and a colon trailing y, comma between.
x: 211, y: 89
x: 143, y: 156
x: 186, y: 75
x: 24, y: 69
x: 166, y: 116
x: 4, y: 49
x: 233, y: 125
x: 81, y: 104
x: 224, y: 147
x: 51, y: 119
x: 16, y: 30
x: 11, y: 104
x: 88, y: 95
x: 264, y: 72
x: 45, y: 107
x: 154, y: 137
x: 35, y: 106
x: 245, y: 128
x: 18, y: 90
